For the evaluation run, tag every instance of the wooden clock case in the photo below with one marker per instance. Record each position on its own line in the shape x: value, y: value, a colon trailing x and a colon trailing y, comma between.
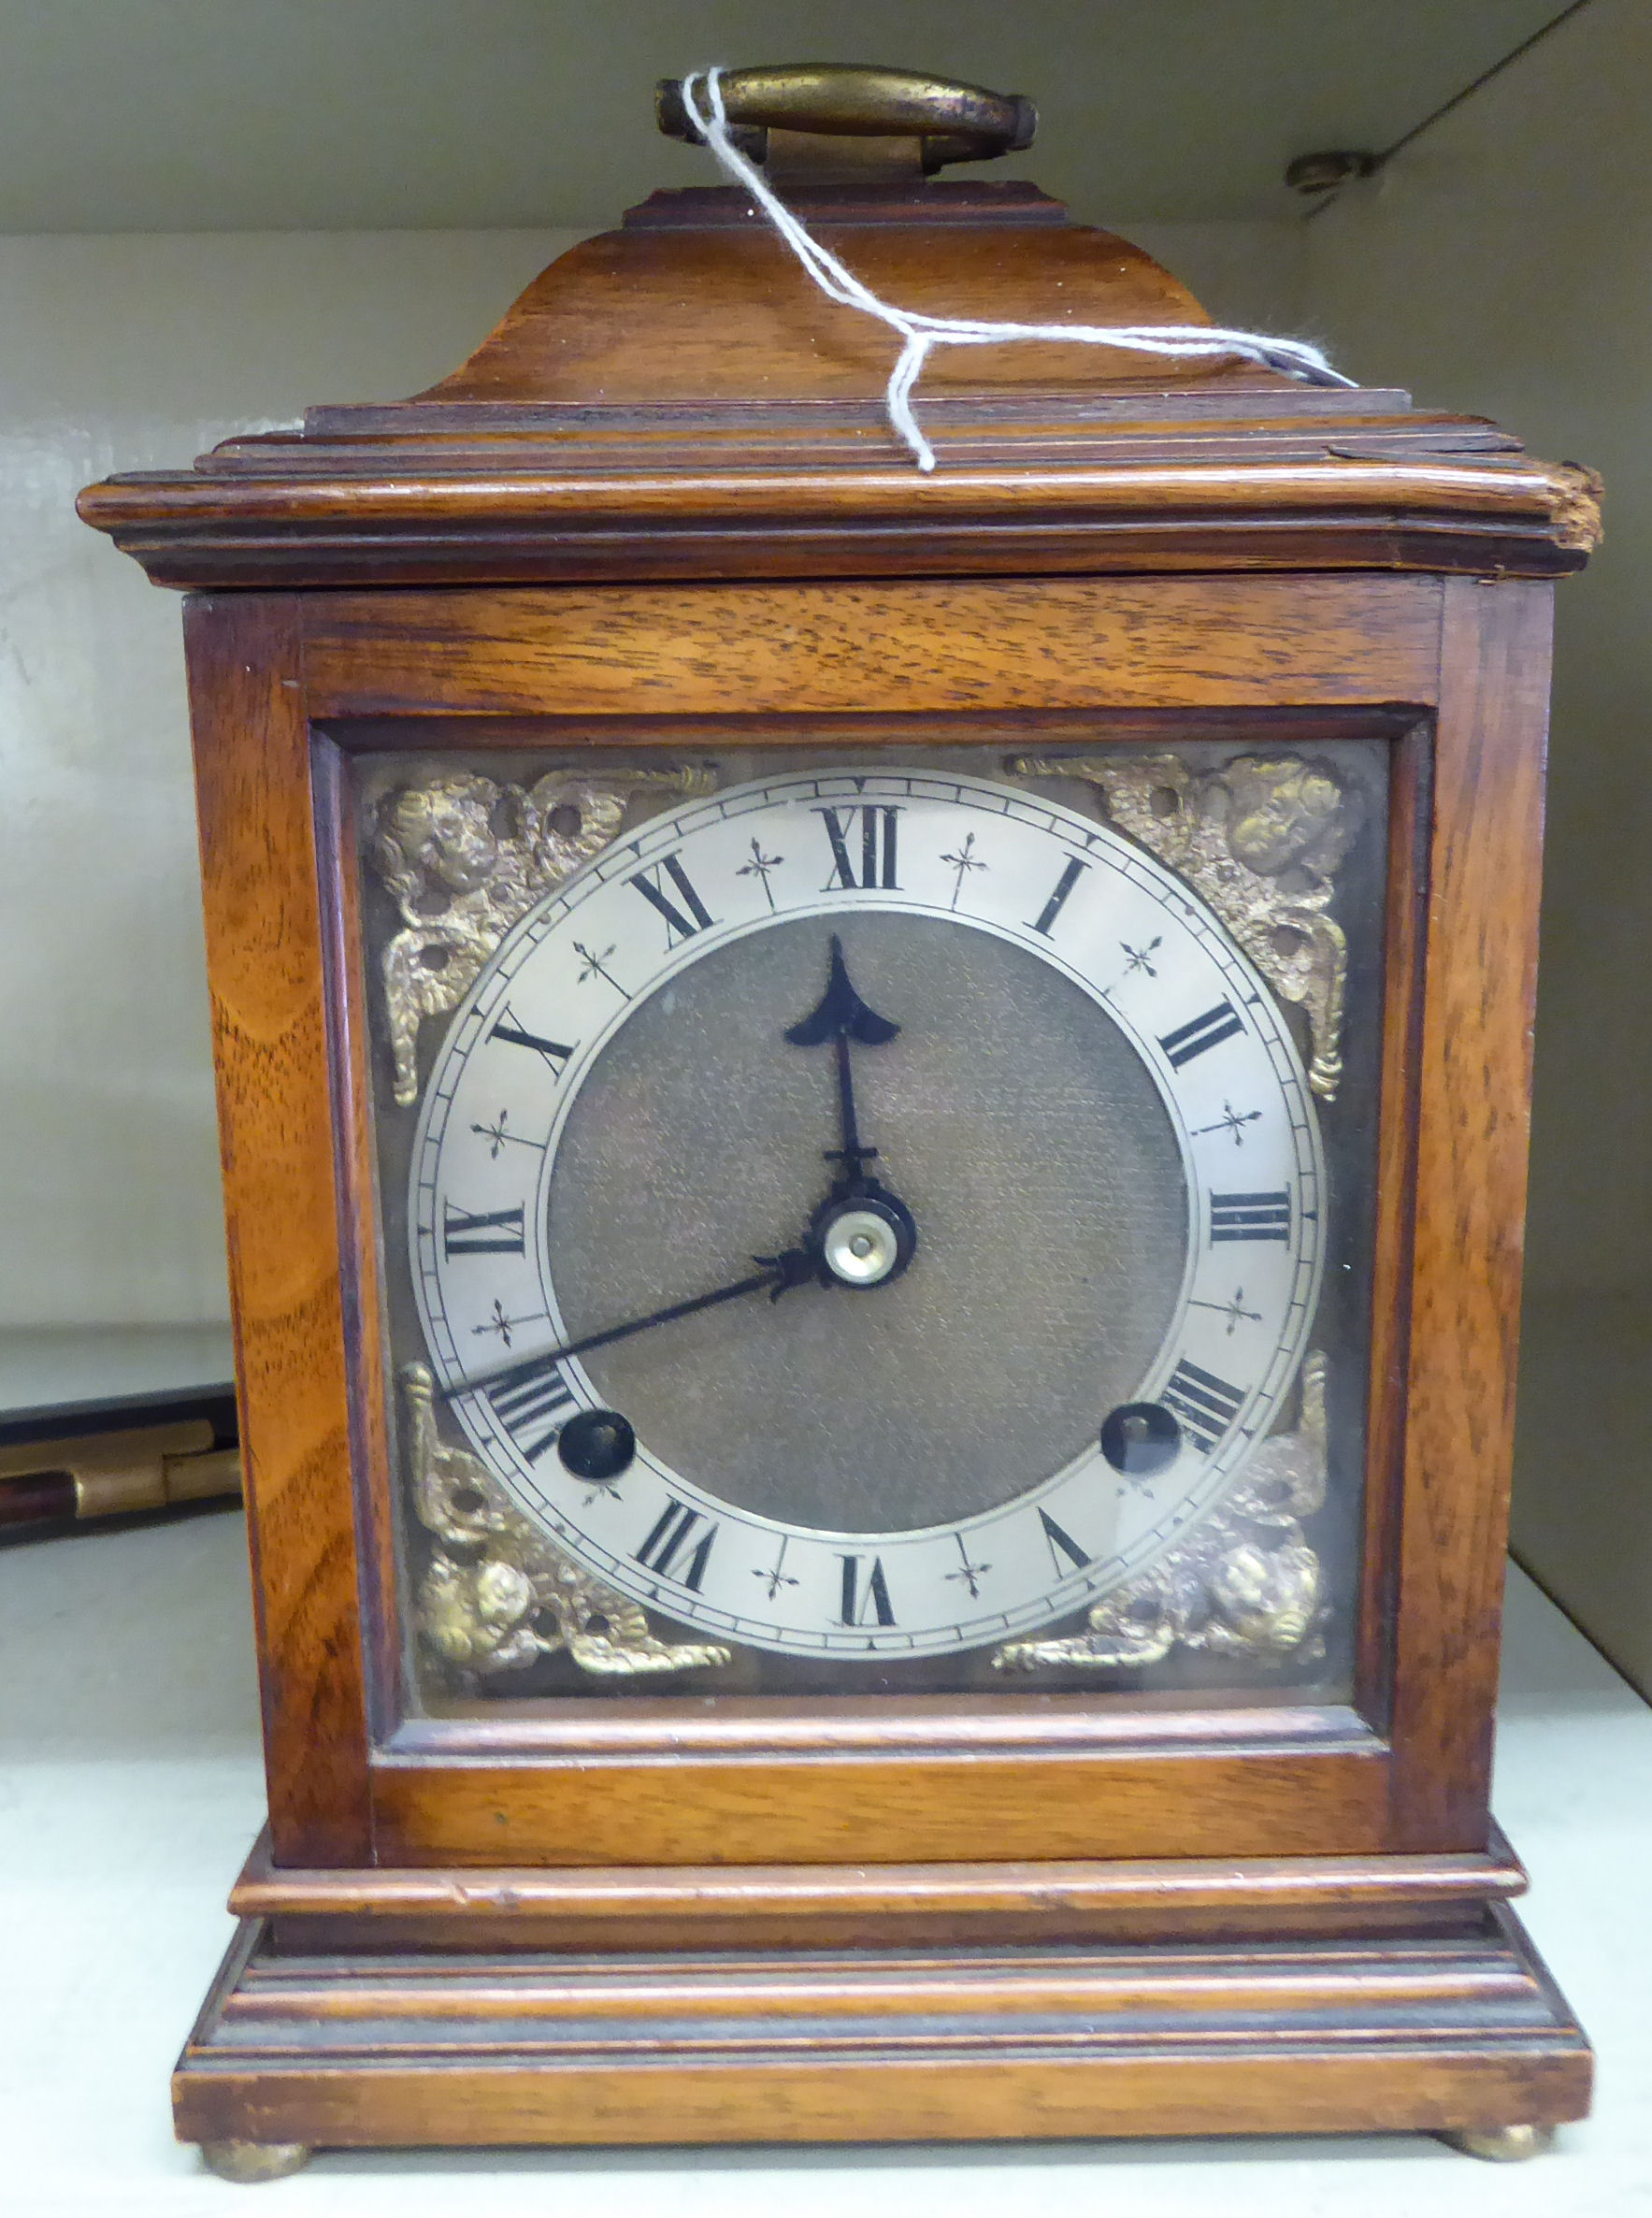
x: 662, y: 499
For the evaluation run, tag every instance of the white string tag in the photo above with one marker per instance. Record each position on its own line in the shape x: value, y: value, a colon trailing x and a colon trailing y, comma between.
x: 921, y: 331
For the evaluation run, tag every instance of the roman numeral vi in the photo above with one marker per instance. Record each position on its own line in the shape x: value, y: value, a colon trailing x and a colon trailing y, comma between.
x: 865, y: 1600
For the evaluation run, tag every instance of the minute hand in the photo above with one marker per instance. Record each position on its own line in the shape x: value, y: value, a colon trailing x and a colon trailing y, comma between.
x: 777, y: 1273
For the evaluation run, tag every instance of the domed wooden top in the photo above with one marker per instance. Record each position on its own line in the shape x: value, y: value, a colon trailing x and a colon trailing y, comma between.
x: 677, y: 399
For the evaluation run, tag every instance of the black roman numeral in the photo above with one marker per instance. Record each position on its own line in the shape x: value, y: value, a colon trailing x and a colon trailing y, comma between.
x: 533, y: 1407
x: 876, y: 858
x: 861, y: 1602
x: 1250, y: 1216
x: 1209, y: 1031
x: 1205, y: 1403
x: 1062, y: 1544
x: 554, y: 1053
x: 496, y: 1231
x: 673, y: 1541
x: 678, y: 926
x: 1063, y: 885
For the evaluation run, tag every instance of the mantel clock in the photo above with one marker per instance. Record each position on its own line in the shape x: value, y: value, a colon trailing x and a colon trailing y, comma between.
x: 875, y: 1131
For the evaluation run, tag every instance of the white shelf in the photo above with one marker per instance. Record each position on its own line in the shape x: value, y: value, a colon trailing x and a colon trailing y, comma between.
x: 131, y: 1786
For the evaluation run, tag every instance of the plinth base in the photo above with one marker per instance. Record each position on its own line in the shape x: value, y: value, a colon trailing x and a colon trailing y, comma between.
x: 1459, y: 2036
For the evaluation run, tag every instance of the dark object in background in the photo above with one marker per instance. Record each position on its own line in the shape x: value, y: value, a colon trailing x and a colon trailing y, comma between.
x: 70, y: 1464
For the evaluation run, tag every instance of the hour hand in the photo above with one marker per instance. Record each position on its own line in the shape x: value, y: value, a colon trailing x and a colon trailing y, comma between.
x: 865, y: 1235
x: 840, y: 1015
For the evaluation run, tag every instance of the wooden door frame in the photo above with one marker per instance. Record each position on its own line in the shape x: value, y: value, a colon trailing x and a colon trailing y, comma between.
x: 1031, y: 1778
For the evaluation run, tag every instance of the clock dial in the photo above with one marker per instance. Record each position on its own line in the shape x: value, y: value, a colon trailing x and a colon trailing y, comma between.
x: 826, y: 1218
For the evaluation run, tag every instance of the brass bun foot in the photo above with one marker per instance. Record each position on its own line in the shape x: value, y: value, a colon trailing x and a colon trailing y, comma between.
x: 248, y: 2161
x: 1503, y: 2144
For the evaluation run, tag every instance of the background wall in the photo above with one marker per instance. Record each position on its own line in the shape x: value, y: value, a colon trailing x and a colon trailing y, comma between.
x: 1503, y: 265
x: 128, y: 352
x: 135, y: 351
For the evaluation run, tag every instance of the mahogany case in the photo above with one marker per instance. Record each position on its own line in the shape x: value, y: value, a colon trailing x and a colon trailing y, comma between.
x: 662, y: 500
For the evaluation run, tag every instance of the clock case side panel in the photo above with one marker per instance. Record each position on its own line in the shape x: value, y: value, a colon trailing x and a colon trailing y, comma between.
x: 1330, y: 1793
x: 1473, y: 1062
x: 267, y: 974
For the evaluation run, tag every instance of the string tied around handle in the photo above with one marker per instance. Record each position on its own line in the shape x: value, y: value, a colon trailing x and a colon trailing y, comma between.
x: 922, y: 333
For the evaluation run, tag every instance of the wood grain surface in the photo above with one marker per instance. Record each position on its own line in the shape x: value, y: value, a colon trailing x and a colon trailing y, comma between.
x: 1474, y: 1075
x: 906, y: 647
x: 1425, y: 2034
x: 275, y: 1107
x: 622, y: 1908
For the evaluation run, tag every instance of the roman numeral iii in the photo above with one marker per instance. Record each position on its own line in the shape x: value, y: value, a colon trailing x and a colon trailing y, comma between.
x: 1208, y: 1030
x: 868, y: 860
x: 675, y: 1547
x: 1250, y: 1216
x: 496, y: 1231
x: 680, y: 923
x: 1205, y: 1405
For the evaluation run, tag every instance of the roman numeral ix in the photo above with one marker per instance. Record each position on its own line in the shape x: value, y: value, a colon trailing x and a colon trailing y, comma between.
x: 1199, y: 1032
x: 675, y: 1542
x: 1205, y: 1405
x: 533, y: 1407
x: 496, y: 1231
x: 872, y: 854
x: 1250, y: 1216
x: 677, y: 925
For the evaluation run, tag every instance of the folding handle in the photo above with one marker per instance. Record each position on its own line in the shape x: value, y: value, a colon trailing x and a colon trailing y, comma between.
x: 840, y: 100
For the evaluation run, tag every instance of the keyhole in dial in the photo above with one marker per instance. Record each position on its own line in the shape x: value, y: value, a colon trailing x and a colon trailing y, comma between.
x: 1139, y: 1438
x: 597, y: 1444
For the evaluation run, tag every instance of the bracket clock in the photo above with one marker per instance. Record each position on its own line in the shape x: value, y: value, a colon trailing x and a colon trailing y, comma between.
x: 875, y: 1133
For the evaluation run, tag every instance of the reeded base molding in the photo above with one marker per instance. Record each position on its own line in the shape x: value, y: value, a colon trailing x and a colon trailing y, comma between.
x: 1453, y: 2035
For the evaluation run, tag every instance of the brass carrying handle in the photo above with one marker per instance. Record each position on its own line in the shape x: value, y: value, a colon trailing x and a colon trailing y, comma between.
x: 956, y: 122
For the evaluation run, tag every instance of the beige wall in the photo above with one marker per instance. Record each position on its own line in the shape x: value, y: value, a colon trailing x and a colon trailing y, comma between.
x: 1503, y: 265
x: 133, y: 352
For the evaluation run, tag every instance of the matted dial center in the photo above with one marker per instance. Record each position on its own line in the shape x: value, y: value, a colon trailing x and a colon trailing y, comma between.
x: 1014, y: 1121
